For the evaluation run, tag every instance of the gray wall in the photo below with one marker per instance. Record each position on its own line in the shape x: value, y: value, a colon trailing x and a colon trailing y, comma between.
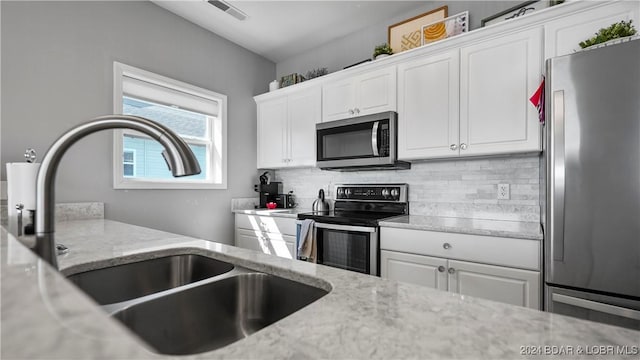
x: 57, y: 60
x: 359, y: 45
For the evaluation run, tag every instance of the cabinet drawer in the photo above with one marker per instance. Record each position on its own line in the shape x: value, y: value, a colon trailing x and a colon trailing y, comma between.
x: 517, y: 253
x: 268, y: 243
x: 270, y: 224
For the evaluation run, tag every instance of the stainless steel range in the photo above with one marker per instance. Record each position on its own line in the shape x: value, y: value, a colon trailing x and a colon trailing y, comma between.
x: 347, y: 237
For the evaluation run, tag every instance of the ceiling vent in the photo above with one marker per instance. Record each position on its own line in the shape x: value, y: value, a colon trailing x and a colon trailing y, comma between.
x: 228, y: 8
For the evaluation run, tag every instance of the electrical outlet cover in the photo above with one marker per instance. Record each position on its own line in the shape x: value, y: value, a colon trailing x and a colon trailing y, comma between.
x: 503, y: 192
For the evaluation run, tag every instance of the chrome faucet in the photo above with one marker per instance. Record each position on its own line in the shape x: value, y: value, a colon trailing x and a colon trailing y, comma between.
x: 177, y: 154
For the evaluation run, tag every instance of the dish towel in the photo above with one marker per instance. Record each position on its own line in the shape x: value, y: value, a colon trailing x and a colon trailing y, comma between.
x: 307, y: 241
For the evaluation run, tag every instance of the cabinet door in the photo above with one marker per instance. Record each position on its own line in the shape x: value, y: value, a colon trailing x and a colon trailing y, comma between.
x: 338, y: 100
x: 251, y: 240
x: 414, y: 269
x: 272, y: 133
x: 376, y: 91
x: 497, y: 78
x: 562, y: 36
x: 503, y: 284
x: 304, y: 114
x: 428, y: 107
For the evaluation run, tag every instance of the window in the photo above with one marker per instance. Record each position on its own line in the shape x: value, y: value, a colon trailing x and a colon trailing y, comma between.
x: 197, y: 115
x: 129, y: 162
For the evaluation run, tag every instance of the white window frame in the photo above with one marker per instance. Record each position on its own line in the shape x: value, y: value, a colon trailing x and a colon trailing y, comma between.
x: 217, y: 175
x: 133, y: 151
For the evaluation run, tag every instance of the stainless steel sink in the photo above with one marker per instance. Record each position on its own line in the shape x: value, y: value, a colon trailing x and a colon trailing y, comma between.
x: 214, y: 314
x: 134, y: 280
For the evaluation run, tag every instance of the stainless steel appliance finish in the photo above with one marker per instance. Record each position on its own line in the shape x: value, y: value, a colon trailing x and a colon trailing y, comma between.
x: 210, y: 316
x: 592, y: 225
x: 348, y: 236
x: 361, y: 143
x: 133, y: 280
x: 320, y: 204
x: 177, y: 154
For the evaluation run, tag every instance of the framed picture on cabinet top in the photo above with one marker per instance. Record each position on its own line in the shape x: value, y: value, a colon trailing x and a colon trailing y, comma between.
x: 445, y: 28
x: 519, y: 10
x: 407, y: 34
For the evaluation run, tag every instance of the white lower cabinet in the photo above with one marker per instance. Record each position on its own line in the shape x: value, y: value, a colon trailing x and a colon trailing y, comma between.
x: 267, y: 234
x: 488, y: 281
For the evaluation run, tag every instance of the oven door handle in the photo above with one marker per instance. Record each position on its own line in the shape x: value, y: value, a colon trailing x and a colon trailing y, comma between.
x: 374, y: 138
x: 346, y: 227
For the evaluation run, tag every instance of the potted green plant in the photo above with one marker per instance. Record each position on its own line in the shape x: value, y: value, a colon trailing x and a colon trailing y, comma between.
x: 382, y: 50
x: 615, y: 31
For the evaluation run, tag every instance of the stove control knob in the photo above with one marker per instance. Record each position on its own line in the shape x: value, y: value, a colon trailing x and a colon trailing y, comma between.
x: 385, y: 192
x: 395, y: 192
x: 347, y: 192
x: 340, y: 192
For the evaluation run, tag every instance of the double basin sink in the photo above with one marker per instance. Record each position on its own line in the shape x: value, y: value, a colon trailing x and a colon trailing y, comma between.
x: 188, y: 304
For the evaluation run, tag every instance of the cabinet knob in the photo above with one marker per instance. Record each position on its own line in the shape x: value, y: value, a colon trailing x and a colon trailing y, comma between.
x: 447, y: 246
x: 463, y: 146
x: 441, y: 268
x: 351, y: 112
x: 453, y: 147
x: 357, y: 111
x: 452, y: 271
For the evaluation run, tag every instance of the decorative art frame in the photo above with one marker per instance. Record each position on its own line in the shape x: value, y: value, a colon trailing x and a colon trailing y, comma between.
x: 407, y: 35
x: 525, y: 8
x: 445, y: 28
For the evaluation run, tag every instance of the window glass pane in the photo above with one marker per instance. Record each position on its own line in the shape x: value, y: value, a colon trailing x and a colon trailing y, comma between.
x: 128, y: 170
x: 183, y: 122
x: 149, y: 163
x: 128, y: 157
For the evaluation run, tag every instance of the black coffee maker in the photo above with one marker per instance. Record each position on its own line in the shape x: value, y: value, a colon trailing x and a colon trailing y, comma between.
x: 269, y: 191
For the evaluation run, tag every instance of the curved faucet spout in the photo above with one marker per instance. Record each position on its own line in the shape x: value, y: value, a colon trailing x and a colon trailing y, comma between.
x: 177, y: 153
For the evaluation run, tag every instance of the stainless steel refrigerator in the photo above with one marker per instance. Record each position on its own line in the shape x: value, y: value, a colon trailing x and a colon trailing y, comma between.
x: 592, y: 210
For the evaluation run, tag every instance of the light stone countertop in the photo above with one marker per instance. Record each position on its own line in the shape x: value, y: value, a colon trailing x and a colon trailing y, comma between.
x: 363, y: 317
x: 510, y: 229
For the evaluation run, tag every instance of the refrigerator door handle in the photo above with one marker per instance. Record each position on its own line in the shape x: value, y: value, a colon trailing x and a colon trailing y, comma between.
x: 558, y: 176
x: 596, y: 306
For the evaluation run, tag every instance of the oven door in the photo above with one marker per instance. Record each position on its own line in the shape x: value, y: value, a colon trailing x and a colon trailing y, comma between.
x: 347, y: 247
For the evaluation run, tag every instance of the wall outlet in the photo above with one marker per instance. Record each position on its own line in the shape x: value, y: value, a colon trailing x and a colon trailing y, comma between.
x: 503, y: 192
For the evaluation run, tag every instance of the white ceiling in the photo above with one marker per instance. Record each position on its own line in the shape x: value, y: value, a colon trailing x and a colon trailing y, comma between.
x: 280, y: 29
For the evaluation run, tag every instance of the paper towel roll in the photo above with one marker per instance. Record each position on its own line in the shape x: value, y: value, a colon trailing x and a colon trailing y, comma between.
x: 21, y: 185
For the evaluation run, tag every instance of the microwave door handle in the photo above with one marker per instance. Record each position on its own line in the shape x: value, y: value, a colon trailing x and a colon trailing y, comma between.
x: 374, y: 138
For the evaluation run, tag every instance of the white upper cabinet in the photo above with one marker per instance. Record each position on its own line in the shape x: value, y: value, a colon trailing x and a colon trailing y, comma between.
x: 272, y: 133
x: 286, y: 129
x: 497, y: 78
x: 363, y: 94
x: 428, y: 107
x: 562, y: 36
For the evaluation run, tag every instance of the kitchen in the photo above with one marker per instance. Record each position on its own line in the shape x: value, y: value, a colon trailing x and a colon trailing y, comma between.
x: 87, y: 76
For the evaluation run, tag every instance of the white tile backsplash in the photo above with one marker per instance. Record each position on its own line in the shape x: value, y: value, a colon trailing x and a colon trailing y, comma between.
x: 456, y: 188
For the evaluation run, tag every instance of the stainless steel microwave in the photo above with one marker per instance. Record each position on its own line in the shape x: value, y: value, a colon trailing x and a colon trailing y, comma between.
x: 368, y: 142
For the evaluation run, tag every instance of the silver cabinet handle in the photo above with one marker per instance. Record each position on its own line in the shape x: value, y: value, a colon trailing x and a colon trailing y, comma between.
x: 453, y: 147
x: 351, y: 112
x: 441, y: 268
x: 447, y: 246
x: 463, y: 146
x: 452, y: 271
